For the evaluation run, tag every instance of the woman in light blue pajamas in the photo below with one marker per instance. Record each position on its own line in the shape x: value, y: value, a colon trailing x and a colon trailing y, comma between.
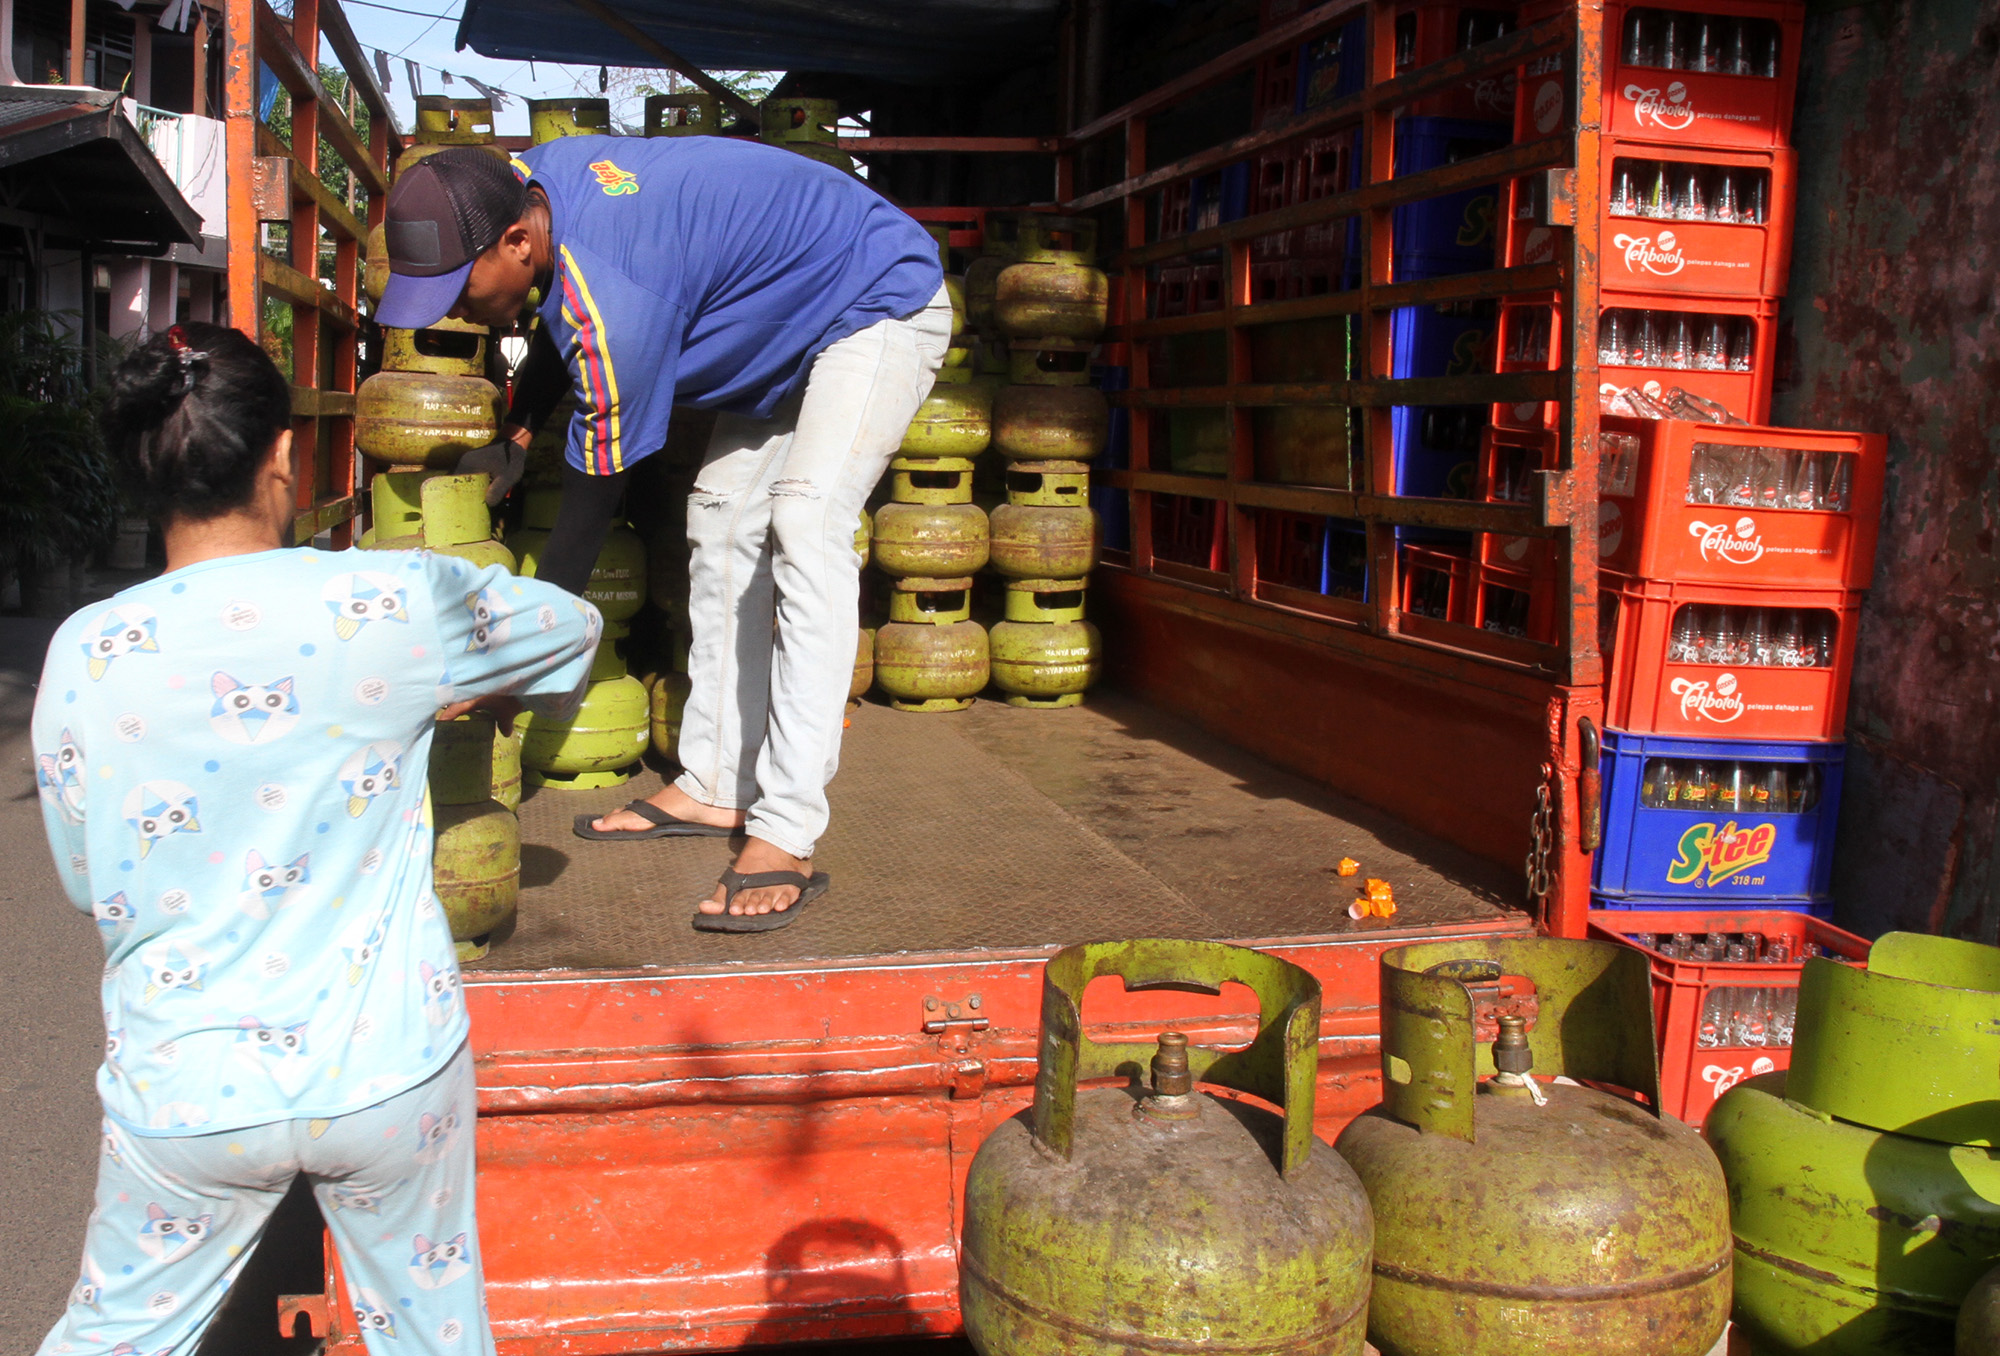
x: 231, y: 761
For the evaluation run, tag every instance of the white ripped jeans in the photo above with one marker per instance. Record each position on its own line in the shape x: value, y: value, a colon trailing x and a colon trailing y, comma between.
x: 774, y: 584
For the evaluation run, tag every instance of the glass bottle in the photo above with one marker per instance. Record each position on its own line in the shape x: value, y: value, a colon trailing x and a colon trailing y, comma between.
x: 1656, y: 197
x: 1714, y: 1022
x: 1742, y: 344
x: 1704, y: 40
x: 1728, y: 787
x: 1776, y: 793
x: 1684, y: 647
x: 1690, y: 198
x: 1774, y: 478
x: 1805, y: 488
x: 1837, y: 478
x: 1742, y: 477
x: 1808, y: 787
x: 1757, y: 637
x: 1656, y: 786
x: 1753, y: 1023
x: 1738, y: 954
x: 1723, y: 206
x: 1818, y: 649
x: 1736, y: 48
x: 1625, y: 199
x: 1652, y: 338
x: 1718, y: 942
x: 1677, y: 351
x: 1667, y: 45
x: 1711, y: 352
x: 1779, y: 952
x: 1641, y: 41
x: 1683, y: 940
x: 1611, y: 337
x: 1782, y: 1019
x: 1767, y: 50
x: 1756, y: 204
x: 1723, y: 637
x: 1696, y: 783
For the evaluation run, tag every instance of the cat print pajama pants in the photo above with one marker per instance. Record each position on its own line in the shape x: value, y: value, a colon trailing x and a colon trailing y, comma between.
x: 177, y: 1218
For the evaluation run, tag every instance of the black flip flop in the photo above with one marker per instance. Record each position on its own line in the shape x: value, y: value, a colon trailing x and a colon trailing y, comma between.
x: 664, y: 825
x: 735, y: 882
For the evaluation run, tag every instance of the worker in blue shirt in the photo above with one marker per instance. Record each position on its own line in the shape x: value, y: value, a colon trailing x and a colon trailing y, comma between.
x: 729, y: 276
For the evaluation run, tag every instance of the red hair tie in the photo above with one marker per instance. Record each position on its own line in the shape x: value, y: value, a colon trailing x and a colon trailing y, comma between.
x: 187, y: 354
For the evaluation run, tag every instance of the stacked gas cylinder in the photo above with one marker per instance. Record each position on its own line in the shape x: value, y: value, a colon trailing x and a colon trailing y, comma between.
x: 1040, y: 295
x: 434, y: 400
x: 1038, y: 306
x: 931, y: 539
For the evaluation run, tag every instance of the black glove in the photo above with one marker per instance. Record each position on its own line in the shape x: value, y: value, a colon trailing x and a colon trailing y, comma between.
x: 503, y: 461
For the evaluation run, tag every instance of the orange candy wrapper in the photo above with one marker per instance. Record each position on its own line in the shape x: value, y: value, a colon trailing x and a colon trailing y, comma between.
x: 1376, y: 900
x: 1348, y: 866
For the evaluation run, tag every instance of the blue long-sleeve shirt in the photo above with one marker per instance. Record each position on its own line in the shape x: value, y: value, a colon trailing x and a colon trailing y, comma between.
x: 232, y: 764
x: 710, y: 272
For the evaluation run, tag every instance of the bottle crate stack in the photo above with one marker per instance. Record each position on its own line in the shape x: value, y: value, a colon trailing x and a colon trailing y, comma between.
x: 1733, y: 555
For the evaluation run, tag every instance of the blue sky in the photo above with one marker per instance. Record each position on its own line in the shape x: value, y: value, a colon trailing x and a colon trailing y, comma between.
x: 428, y: 40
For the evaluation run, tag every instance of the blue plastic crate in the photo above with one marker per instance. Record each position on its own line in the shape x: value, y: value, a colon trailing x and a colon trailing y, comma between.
x: 1220, y: 197
x: 1455, y: 232
x: 1715, y: 852
x: 1331, y: 66
x: 1345, y: 568
x: 1433, y: 341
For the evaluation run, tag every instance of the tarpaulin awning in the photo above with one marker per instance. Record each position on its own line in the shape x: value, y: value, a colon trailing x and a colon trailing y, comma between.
x: 920, y: 42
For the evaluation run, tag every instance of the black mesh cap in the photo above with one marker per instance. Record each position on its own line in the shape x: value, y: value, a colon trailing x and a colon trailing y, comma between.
x: 444, y: 212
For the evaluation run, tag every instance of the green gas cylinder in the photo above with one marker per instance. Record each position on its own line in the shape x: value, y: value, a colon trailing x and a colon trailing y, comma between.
x: 423, y: 419
x: 472, y: 761
x: 554, y: 119
x: 931, y: 656
x: 1865, y: 1181
x: 445, y: 121
x: 1000, y: 244
x: 689, y: 113
x: 1046, y: 529
x: 476, y: 871
x: 617, y: 584
x: 805, y: 126
x: 421, y: 151
x: 864, y: 665
x: 1521, y: 1214
x: 450, y: 348
x: 1049, y: 414
x: 955, y: 420
x: 669, y: 692
x: 375, y: 269
x: 598, y: 746
x: 1045, y: 656
x: 930, y: 528
x: 1051, y: 289
x: 1120, y: 1221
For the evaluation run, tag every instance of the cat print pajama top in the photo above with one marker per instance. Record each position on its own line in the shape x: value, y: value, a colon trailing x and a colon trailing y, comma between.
x: 232, y: 762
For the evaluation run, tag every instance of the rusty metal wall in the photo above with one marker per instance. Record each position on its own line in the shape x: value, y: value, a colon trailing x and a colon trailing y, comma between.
x: 1894, y: 322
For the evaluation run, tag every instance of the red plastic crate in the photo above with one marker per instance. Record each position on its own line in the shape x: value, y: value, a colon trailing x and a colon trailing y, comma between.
x: 1654, y: 532
x: 1746, y: 395
x: 1508, y: 460
x: 1694, y: 1076
x: 1275, y: 94
x: 1647, y: 693
x: 1435, y: 585
x: 1332, y: 162
x: 1515, y: 601
x: 1289, y: 547
x: 1189, y: 531
x: 1695, y: 258
x: 1682, y: 106
x: 1428, y: 31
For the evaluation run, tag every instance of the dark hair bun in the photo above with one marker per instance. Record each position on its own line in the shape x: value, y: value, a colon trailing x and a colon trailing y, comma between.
x: 192, y: 415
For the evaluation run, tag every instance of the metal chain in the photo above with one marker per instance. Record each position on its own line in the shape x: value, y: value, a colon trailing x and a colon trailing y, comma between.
x: 1541, y: 840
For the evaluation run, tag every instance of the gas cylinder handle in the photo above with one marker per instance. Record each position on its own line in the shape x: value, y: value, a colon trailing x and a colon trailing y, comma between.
x: 1281, y: 1065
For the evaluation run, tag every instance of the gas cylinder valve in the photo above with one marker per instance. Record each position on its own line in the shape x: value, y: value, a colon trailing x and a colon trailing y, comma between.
x: 1173, y: 1084
x: 1513, y: 1058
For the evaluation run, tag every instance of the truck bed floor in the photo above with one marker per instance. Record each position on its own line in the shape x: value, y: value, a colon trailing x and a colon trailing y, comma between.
x: 1003, y: 829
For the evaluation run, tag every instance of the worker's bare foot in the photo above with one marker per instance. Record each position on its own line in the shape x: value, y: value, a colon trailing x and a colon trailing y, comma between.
x: 674, y: 801
x: 758, y: 855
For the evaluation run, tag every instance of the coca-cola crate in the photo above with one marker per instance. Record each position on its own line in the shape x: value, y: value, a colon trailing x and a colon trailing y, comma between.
x: 1691, y: 821
x: 1428, y: 31
x: 1697, y: 1066
x: 1694, y: 221
x: 1514, y: 601
x: 1652, y: 687
x: 1532, y: 327
x: 1740, y: 504
x: 1719, y: 94
x: 1436, y: 585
